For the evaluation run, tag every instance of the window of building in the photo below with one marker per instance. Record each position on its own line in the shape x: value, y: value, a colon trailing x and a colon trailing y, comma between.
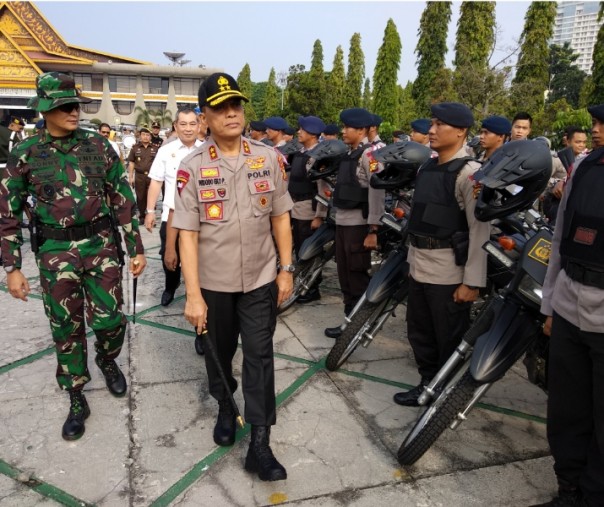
x: 182, y: 105
x: 91, y: 108
x: 122, y: 84
x: 155, y: 85
x: 156, y: 106
x: 123, y: 107
x: 186, y: 86
x: 89, y: 82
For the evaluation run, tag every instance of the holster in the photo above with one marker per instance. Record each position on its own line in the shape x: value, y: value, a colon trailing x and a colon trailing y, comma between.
x: 460, y: 241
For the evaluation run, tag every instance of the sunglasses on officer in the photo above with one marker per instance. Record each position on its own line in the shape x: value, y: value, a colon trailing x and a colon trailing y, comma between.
x: 68, y: 108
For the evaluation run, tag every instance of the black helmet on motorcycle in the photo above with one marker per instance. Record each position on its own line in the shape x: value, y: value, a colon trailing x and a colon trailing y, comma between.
x: 327, y: 156
x: 401, y: 161
x: 290, y: 147
x: 512, y: 179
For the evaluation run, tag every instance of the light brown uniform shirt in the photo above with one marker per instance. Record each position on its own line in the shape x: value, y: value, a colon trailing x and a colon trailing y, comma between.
x: 230, y: 203
x: 438, y: 266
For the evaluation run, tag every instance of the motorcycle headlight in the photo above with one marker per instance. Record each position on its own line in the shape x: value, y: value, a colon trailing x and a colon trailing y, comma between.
x: 530, y: 289
x: 500, y: 256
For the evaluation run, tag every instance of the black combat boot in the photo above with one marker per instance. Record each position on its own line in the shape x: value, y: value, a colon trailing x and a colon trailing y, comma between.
x: 225, y: 429
x: 410, y: 398
x: 114, y: 378
x: 260, y: 458
x: 73, y: 428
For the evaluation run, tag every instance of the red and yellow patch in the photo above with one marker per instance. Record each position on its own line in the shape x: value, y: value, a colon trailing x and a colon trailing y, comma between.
x: 210, y: 172
x: 207, y: 195
x: 255, y: 163
x: 261, y: 186
x: 246, y: 148
x: 263, y: 201
x: 476, y: 190
x: 213, y: 153
x: 182, y: 178
x: 214, y: 211
x: 281, y: 161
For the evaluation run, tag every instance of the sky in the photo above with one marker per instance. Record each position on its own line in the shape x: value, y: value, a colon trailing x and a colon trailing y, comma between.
x: 227, y: 35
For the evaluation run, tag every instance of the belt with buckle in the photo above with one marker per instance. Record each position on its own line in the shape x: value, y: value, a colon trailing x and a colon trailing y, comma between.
x: 428, y: 242
x: 77, y: 232
x: 582, y: 274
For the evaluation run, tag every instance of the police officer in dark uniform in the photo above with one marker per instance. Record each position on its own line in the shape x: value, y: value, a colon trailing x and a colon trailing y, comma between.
x: 140, y: 158
x: 359, y: 208
x: 155, y: 137
x: 573, y: 298
x: 332, y: 131
x: 446, y: 262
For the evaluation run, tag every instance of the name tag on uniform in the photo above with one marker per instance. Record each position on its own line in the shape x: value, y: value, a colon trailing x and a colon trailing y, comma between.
x: 585, y: 236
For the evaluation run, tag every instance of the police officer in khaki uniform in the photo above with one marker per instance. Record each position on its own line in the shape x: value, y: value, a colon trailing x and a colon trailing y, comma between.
x: 446, y: 262
x: 231, y: 194
x: 140, y: 158
x: 359, y: 208
x: 573, y: 293
x: 275, y: 130
x: 494, y: 132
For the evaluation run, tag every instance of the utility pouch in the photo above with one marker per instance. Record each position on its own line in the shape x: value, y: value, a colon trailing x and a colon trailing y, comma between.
x: 460, y: 242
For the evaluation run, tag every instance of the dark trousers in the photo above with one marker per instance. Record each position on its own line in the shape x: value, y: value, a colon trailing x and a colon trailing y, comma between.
x: 353, y: 263
x: 141, y: 186
x: 300, y: 231
x: 575, y: 408
x: 172, y: 277
x: 435, y: 324
x: 254, y: 315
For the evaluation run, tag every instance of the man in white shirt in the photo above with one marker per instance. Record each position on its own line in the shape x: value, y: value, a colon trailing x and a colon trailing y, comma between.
x: 162, y: 171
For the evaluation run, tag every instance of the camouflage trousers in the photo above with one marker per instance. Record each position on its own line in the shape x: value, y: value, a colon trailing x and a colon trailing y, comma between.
x: 77, y: 278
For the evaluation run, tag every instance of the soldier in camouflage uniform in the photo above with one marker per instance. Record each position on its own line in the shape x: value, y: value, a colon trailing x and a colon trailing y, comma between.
x: 79, y: 184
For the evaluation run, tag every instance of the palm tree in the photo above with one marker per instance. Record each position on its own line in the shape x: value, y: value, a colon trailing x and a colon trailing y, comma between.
x: 147, y: 116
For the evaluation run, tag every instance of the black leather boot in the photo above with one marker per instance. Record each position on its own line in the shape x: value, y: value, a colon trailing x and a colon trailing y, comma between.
x: 260, y: 458
x: 114, y: 378
x: 73, y: 428
x: 333, y: 332
x: 410, y: 398
x: 226, y: 427
x: 199, y: 345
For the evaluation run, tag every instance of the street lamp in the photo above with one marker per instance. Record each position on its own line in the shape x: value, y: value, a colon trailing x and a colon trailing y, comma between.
x: 282, y: 80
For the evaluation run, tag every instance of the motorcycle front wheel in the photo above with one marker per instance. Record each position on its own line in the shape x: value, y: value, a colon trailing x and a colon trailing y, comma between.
x: 437, y: 418
x: 350, y: 338
x: 302, y: 275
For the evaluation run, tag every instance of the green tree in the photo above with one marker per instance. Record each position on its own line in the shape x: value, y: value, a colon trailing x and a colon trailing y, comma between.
x: 147, y: 116
x: 356, y: 72
x: 406, y: 106
x: 532, y: 73
x: 385, y: 77
x: 244, y: 80
x: 367, y: 100
x: 336, y: 87
x: 296, y: 94
x: 316, y: 85
x: 431, y: 50
x: 475, y: 34
x: 272, y: 103
x: 258, y: 96
x: 597, y: 67
x: 565, y: 78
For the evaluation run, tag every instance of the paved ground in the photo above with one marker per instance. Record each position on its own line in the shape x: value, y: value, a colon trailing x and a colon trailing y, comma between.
x: 337, y: 433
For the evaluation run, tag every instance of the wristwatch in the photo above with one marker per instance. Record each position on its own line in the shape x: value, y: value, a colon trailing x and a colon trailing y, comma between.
x: 147, y: 211
x: 290, y: 268
x: 372, y: 229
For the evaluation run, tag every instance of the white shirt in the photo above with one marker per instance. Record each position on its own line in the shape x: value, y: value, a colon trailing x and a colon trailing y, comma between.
x: 164, y: 169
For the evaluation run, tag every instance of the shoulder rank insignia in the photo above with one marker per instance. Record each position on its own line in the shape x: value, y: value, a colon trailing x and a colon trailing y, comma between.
x: 213, y: 153
x: 246, y: 148
x: 182, y: 178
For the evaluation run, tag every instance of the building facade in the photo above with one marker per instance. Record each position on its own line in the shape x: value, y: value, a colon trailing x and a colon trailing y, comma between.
x: 577, y: 23
x: 122, y: 88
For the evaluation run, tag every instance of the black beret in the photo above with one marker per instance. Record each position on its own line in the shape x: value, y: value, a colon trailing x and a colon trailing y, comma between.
x: 312, y: 124
x: 453, y: 113
x: 376, y: 120
x: 276, y: 123
x: 258, y: 126
x: 290, y: 131
x: 497, y: 125
x: 356, y: 117
x: 597, y: 112
x: 331, y: 130
x: 421, y: 125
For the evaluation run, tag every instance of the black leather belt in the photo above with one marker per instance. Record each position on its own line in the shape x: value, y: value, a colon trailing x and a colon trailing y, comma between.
x: 428, y: 242
x: 77, y: 232
x: 583, y: 275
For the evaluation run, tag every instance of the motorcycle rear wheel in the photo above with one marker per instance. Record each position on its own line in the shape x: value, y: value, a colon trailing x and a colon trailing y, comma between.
x: 437, y: 418
x: 350, y: 338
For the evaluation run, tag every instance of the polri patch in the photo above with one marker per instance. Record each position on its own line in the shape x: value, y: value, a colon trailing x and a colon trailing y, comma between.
x: 182, y: 178
x: 585, y: 236
x: 214, y: 211
x: 541, y: 251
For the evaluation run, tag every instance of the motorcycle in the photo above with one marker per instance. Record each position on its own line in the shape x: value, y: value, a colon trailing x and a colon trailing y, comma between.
x: 510, y: 323
x: 389, y: 285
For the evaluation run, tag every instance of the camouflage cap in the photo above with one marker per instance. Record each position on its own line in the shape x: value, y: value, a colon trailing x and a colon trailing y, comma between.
x: 53, y: 89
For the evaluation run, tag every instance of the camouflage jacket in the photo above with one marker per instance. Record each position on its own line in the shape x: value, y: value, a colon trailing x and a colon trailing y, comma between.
x: 71, y: 179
